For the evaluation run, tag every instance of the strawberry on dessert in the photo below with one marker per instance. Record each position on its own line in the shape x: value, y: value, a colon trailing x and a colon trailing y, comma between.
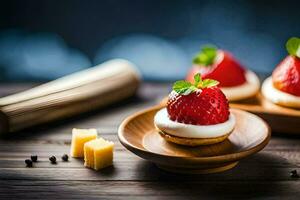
x: 236, y: 82
x: 283, y: 87
x: 197, y: 114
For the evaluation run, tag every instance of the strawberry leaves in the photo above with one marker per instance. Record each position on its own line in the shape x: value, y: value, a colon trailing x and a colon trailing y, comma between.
x: 197, y: 79
x: 185, y: 87
x: 206, y: 56
x: 293, y: 46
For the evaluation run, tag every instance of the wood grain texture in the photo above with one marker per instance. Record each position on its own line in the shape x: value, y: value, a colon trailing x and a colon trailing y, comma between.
x: 151, y: 190
x: 262, y: 176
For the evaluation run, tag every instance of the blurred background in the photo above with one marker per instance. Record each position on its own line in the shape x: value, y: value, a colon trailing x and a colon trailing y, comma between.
x: 44, y: 40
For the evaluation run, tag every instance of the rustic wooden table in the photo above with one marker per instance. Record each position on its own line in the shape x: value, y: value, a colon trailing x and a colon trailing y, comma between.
x: 262, y: 176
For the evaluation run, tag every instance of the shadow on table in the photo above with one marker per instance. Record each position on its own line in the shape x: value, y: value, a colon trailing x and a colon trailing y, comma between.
x: 287, y: 136
x: 263, y: 175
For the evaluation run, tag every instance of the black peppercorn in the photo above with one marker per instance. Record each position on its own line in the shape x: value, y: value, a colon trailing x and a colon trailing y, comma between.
x: 65, y: 157
x: 294, y: 174
x: 28, y: 163
x: 52, y: 159
x: 34, y: 158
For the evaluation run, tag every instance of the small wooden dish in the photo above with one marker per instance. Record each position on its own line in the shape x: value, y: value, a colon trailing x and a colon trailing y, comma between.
x: 281, y: 119
x: 138, y: 134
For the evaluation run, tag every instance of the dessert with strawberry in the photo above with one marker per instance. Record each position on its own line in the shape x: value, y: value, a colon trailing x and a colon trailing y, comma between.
x: 196, y: 114
x: 236, y: 82
x: 283, y: 87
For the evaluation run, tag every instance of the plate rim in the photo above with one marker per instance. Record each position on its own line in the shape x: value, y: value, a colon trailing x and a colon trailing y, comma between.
x: 224, y: 158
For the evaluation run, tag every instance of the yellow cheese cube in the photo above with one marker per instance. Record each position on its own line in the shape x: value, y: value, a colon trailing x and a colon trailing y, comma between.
x: 79, y: 137
x: 98, y: 153
x: 103, y: 156
x: 89, y: 152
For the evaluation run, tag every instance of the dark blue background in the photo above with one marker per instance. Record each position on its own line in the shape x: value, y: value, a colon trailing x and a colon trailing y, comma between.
x: 43, y: 40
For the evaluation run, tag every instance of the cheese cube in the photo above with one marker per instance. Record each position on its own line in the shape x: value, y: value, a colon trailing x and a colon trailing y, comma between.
x: 98, y: 153
x: 79, y: 137
x: 103, y: 155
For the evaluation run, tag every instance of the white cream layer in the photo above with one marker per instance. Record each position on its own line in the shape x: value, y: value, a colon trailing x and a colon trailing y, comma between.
x: 162, y: 122
x: 244, y: 91
x: 277, y: 96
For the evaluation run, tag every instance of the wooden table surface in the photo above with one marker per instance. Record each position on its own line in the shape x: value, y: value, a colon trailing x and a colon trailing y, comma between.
x: 262, y: 176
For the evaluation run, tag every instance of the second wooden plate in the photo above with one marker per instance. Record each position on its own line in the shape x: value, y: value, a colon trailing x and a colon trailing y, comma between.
x: 139, y: 135
x: 281, y: 119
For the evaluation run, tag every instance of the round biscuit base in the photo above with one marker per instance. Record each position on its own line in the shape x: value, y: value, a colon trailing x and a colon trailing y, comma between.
x: 193, y: 141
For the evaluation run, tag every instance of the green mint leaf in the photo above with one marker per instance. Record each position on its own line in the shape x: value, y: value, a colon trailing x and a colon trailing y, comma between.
x: 181, y: 84
x: 206, y: 56
x: 183, y: 87
x: 197, y: 79
x: 293, y: 46
x: 209, y: 83
x: 189, y: 90
x: 186, y: 88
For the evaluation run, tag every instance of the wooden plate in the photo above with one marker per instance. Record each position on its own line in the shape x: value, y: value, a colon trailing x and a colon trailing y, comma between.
x: 281, y: 119
x: 138, y: 134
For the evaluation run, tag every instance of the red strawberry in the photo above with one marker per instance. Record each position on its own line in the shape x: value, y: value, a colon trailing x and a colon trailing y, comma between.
x: 200, y: 104
x: 286, y: 76
x: 221, y: 67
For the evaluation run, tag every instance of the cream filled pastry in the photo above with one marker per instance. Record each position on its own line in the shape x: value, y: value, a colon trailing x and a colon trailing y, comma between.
x: 235, y: 81
x: 196, y: 114
x: 283, y: 87
x: 178, y: 129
